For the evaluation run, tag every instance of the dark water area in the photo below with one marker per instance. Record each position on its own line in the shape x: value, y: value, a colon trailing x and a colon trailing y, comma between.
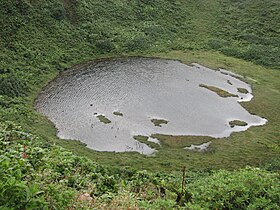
x: 131, y: 92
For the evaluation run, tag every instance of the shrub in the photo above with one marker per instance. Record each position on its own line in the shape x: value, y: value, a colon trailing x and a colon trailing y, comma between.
x: 11, y: 85
x: 59, y: 13
x: 230, y: 51
x: 249, y: 188
x: 137, y: 44
x: 217, y: 43
x: 34, y: 175
x: 105, y: 46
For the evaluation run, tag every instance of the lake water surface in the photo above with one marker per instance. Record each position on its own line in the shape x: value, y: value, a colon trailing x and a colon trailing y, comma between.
x: 143, y: 89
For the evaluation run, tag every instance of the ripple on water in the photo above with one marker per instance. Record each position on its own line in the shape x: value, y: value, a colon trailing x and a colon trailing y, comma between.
x: 143, y: 89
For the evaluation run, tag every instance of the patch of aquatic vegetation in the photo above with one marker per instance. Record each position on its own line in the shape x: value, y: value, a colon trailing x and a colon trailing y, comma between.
x: 103, y: 119
x: 159, y: 122
x: 219, y: 91
x: 237, y: 123
x: 242, y: 90
x: 118, y: 114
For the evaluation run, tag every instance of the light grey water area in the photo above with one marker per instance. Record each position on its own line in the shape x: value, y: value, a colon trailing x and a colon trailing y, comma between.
x: 142, y: 89
x: 201, y: 148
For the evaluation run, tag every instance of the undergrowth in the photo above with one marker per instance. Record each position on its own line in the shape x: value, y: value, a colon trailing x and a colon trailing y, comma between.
x: 38, y: 39
x: 38, y: 175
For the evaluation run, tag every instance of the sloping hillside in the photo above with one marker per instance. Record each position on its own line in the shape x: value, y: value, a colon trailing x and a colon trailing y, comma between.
x: 40, y: 38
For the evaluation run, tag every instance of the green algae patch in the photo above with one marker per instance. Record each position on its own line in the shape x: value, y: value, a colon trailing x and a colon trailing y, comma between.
x: 103, y: 119
x: 118, y: 114
x: 159, y: 122
x: 219, y: 91
x: 242, y: 90
x: 141, y: 138
x: 237, y: 123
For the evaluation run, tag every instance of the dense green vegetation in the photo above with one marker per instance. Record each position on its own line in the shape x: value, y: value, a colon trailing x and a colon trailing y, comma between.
x: 40, y: 38
x: 38, y: 175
